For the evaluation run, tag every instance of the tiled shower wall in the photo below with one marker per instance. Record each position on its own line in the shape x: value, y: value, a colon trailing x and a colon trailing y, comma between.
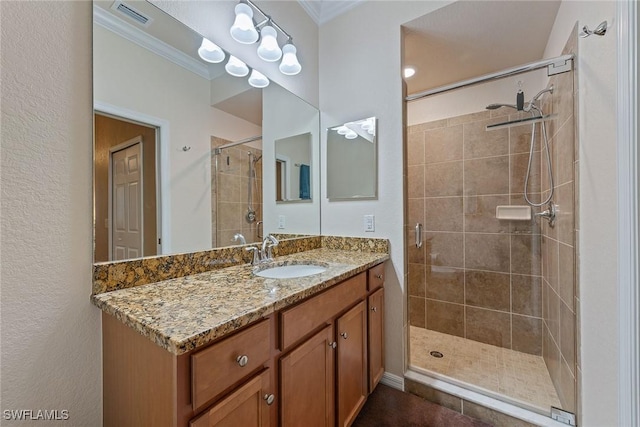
x: 230, y: 193
x: 560, y: 287
x: 475, y: 276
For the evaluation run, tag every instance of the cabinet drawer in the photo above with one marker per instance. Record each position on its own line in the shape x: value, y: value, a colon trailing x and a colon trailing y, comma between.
x: 248, y: 406
x: 220, y: 366
x: 306, y: 317
x: 376, y: 277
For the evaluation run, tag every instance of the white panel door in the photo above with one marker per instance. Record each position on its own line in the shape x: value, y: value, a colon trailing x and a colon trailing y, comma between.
x: 126, y: 204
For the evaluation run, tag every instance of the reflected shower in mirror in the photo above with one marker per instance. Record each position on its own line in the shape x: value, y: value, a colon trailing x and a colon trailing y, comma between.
x: 293, y: 170
x: 166, y: 179
x: 351, y: 160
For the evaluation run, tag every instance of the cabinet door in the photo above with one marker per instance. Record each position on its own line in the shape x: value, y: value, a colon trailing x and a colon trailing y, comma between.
x: 248, y: 406
x: 352, y: 363
x: 307, y: 382
x: 376, y: 338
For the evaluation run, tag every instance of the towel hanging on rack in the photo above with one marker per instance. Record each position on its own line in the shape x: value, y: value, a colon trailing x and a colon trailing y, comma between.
x: 305, y: 182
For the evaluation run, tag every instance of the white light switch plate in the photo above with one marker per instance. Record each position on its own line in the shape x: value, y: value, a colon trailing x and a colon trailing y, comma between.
x: 281, y: 221
x: 369, y: 223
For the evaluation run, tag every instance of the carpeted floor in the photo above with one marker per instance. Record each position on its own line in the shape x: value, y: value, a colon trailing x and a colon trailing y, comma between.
x: 388, y: 407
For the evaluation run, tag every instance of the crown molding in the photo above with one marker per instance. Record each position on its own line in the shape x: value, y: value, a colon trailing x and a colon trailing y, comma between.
x: 135, y: 35
x: 323, y: 11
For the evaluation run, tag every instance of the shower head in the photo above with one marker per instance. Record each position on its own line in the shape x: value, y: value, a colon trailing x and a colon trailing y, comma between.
x: 496, y: 106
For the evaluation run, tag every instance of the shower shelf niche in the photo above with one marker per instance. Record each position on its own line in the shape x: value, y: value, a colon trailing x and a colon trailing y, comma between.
x: 519, y: 122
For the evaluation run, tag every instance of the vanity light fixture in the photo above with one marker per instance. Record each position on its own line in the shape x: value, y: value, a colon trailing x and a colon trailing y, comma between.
x: 245, y: 30
x: 258, y: 80
x: 269, y: 50
x: 210, y: 52
x: 236, y: 68
x: 351, y: 134
x: 289, y: 65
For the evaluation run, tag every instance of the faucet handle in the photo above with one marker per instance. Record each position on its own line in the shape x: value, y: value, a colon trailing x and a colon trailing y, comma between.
x: 256, y: 254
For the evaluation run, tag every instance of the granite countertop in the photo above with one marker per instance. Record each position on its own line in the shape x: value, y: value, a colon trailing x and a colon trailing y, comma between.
x: 188, y: 312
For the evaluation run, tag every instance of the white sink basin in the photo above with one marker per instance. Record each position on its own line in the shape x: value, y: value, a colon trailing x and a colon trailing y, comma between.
x: 290, y: 271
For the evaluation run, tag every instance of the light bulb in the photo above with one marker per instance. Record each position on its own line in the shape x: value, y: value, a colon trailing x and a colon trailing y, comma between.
x: 236, y: 68
x: 408, y: 72
x: 269, y: 50
x: 243, y: 30
x: 210, y: 51
x: 289, y: 65
x: 342, y: 130
x: 257, y: 79
x: 351, y: 135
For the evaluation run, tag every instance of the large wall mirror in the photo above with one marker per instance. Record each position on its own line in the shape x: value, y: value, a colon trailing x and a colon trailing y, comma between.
x: 184, y: 153
x: 352, y: 160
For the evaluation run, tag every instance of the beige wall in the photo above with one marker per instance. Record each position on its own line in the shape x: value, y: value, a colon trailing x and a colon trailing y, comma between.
x: 50, y: 337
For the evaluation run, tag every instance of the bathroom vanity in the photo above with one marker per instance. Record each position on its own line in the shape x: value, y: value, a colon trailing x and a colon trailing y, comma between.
x: 227, y: 347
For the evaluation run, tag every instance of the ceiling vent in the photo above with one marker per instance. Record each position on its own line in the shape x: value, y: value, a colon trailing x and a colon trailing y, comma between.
x: 131, y: 13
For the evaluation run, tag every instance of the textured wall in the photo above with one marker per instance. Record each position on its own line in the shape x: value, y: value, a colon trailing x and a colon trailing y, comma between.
x: 51, y: 355
x: 355, y: 83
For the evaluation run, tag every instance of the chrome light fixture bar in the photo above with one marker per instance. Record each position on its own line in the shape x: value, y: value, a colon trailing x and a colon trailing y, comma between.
x: 245, y: 31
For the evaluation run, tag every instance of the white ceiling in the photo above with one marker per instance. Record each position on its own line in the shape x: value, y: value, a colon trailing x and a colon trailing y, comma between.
x: 470, y: 38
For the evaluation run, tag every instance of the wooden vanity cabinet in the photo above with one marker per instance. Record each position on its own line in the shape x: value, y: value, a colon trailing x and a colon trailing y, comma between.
x: 247, y: 406
x: 351, y: 372
x: 375, y: 332
x: 145, y: 385
x: 307, y: 382
x: 311, y: 364
x: 326, y: 373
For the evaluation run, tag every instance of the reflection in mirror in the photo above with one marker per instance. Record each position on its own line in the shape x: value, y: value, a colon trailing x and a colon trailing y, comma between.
x: 293, y: 170
x: 351, y: 160
x: 178, y: 142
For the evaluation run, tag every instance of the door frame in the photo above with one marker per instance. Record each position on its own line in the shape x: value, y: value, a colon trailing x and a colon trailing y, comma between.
x: 627, y: 17
x: 163, y: 196
x: 112, y: 150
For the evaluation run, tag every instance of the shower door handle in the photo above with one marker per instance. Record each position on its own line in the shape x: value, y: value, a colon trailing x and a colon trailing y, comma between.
x: 418, y: 235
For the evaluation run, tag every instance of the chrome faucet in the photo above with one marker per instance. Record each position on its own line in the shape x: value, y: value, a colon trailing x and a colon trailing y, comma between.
x: 266, y: 253
x: 239, y: 237
x: 267, y: 244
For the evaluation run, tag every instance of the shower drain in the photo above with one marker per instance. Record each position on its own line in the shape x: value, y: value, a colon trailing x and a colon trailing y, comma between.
x: 436, y: 354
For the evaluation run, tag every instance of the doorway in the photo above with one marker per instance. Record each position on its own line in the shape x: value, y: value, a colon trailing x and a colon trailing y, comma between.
x: 113, y: 133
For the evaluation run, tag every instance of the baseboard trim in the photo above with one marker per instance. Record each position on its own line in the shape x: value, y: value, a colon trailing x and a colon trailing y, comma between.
x: 393, y: 381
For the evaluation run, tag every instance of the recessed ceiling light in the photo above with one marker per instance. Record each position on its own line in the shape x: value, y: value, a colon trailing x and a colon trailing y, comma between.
x: 408, y: 72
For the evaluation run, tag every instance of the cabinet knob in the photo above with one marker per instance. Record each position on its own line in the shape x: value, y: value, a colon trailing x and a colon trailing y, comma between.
x: 242, y: 360
x: 344, y: 335
x: 269, y: 398
x: 333, y: 344
x: 374, y: 309
x: 379, y: 276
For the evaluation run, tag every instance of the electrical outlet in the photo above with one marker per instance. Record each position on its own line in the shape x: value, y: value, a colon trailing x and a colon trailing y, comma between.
x: 281, y: 221
x: 369, y: 223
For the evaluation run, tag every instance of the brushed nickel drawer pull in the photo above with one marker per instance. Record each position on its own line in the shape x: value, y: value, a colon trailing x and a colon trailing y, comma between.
x: 333, y: 344
x: 269, y: 398
x: 379, y: 276
x: 344, y: 335
x: 374, y: 309
x: 242, y: 360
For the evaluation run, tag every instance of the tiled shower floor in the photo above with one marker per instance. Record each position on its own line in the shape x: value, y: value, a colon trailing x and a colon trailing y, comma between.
x: 514, y: 375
